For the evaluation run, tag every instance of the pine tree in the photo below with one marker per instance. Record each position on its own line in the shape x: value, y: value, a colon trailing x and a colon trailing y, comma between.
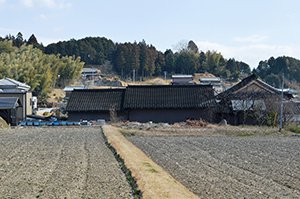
x: 32, y: 40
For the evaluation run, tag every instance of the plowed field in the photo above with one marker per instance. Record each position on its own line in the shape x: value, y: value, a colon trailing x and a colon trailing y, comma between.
x: 59, y: 163
x: 229, y: 167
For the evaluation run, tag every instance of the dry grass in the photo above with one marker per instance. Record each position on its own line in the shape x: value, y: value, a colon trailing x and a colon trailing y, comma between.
x: 56, y: 96
x: 3, y: 123
x: 155, y: 81
x: 152, y: 180
x: 208, y: 130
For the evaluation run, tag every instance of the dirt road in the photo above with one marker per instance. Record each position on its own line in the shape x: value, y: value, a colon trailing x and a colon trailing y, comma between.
x: 59, y: 163
x: 229, y: 167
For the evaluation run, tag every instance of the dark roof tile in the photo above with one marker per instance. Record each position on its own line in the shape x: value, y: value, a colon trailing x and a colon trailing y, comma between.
x: 230, y: 93
x: 95, y: 100
x: 168, y: 96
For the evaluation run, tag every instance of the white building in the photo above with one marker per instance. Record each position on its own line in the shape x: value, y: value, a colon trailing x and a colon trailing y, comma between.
x: 13, y: 88
x: 214, y: 81
x: 182, y: 80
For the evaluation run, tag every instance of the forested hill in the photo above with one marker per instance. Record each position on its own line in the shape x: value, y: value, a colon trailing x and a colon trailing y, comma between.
x: 91, y: 50
x: 272, y: 69
x: 147, y: 61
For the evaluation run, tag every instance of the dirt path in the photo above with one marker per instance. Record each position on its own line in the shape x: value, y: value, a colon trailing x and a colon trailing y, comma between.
x: 229, y: 167
x: 152, y: 180
x: 59, y: 163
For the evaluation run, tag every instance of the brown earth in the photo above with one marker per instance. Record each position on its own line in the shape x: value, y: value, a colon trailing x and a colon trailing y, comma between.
x: 227, y: 164
x: 59, y: 163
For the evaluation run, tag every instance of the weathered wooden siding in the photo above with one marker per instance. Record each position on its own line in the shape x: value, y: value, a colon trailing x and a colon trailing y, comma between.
x: 77, y: 116
x: 169, y: 115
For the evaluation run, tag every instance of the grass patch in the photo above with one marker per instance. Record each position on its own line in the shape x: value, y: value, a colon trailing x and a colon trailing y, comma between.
x: 294, y: 128
x: 152, y: 170
x: 246, y: 131
x: 149, y: 167
x: 128, y: 133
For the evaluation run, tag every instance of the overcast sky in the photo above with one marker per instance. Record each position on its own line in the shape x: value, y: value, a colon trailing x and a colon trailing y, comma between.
x: 248, y: 30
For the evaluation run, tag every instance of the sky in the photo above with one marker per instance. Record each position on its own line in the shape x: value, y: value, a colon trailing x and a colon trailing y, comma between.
x: 247, y: 30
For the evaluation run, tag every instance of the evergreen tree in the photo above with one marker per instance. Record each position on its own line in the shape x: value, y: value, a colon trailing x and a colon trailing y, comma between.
x: 32, y: 40
x: 19, y: 40
x: 192, y: 47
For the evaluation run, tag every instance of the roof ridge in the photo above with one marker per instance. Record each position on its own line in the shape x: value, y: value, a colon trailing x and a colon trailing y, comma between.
x: 16, y: 82
x: 99, y: 90
x: 167, y: 86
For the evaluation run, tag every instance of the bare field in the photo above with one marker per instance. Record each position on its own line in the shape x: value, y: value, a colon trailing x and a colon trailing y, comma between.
x: 59, y: 163
x: 229, y: 166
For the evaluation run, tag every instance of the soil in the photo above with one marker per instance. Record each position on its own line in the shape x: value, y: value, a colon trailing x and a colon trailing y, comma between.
x: 229, y: 166
x: 59, y: 163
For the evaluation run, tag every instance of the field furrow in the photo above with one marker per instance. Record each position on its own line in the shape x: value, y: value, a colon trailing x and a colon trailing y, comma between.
x: 59, y: 163
x: 229, y: 167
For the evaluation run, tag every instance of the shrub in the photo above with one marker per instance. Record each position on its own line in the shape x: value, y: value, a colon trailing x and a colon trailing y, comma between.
x: 293, y: 128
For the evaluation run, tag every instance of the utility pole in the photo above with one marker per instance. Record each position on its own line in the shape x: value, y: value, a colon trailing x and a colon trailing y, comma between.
x: 281, y: 104
x: 133, y: 75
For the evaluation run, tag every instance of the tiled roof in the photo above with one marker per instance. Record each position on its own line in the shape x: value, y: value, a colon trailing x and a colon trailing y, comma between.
x: 168, y: 97
x: 231, y: 91
x: 95, y: 100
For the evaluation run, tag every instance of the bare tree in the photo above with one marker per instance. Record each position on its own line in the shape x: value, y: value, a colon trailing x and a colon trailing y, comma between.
x: 113, y: 114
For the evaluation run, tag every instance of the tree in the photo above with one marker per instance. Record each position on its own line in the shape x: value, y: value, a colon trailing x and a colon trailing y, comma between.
x: 6, y: 47
x: 232, y: 66
x: 31, y: 66
x: 269, y: 69
x: 19, y: 40
x: 273, y: 80
x: 192, y: 47
x: 119, y: 60
x: 202, y: 58
x: 92, y: 50
x: 32, y: 40
x: 185, y: 63
x: 143, y: 58
x: 159, y: 63
x: 169, y: 61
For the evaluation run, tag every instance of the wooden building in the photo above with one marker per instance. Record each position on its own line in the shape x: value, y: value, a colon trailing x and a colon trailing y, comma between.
x: 248, y: 102
x: 13, y: 88
x: 94, y: 104
x: 11, y: 110
x: 164, y: 103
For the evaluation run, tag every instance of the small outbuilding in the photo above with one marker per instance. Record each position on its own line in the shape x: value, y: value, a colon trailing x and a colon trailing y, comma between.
x: 13, y: 88
x: 11, y: 110
x: 182, y: 80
